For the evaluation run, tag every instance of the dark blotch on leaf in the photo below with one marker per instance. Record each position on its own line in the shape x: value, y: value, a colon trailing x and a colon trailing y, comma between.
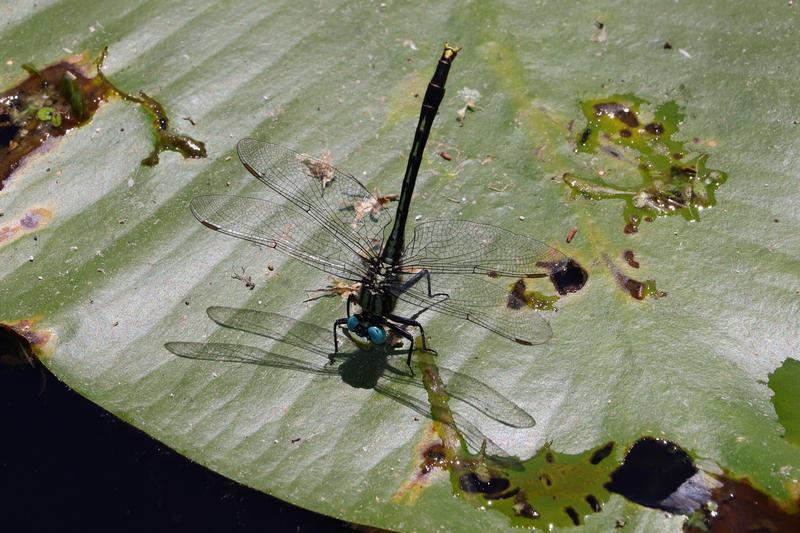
x: 8, y: 130
x: 601, y: 453
x: 523, y: 508
x: 652, y: 470
x: 593, y: 503
x: 627, y: 117
x: 71, y: 98
x: 472, y: 483
x: 654, y: 128
x: 573, y: 515
x: 567, y: 276
x: 742, y: 507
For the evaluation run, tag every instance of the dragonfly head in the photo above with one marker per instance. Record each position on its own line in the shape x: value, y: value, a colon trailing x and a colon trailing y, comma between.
x: 374, y: 333
x: 353, y: 323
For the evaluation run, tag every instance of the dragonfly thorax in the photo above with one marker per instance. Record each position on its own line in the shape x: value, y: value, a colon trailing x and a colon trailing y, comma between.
x: 375, y: 297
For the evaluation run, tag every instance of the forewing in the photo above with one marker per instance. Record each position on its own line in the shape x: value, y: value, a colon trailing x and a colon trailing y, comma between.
x: 336, y: 200
x: 283, y: 227
x: 486, y: 302
x: 464, y: 247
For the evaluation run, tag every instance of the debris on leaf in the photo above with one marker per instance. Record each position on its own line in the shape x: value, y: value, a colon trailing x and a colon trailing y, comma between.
x: 571, y: 234
x: 245, y: 278
x: 336, y: 288
x: 373, y: 205
x: 408, y: 43
x: 601, y: 33
x: 470, y: 97
x: 321, y: 168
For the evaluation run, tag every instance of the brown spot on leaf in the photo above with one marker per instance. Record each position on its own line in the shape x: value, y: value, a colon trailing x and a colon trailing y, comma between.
x: 35, y: 218
x: 629, y: 258
x: 37, y: 339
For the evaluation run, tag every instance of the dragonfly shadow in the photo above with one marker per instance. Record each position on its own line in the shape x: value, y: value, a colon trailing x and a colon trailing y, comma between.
x: 360, y: 368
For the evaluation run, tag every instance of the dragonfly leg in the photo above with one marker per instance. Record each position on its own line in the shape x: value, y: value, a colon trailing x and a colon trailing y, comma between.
x: 408, y: 336
x: 413, y: 280
x: 413, y: 323
x: 336, y: 324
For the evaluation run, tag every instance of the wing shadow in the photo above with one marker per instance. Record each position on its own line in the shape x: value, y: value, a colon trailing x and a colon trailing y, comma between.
x: 361, y: 368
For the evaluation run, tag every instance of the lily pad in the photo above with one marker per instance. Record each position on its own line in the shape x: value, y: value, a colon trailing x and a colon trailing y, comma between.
x: 103, y: 264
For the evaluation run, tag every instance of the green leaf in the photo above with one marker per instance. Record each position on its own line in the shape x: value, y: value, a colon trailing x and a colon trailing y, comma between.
x: 119, y: 267
x: 785, y: 382
x: 69, y: 88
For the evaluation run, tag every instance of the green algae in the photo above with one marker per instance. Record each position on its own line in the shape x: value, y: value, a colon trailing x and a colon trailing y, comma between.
x: 550, y: 489
x: 675, y: 178
x: 785, y: 383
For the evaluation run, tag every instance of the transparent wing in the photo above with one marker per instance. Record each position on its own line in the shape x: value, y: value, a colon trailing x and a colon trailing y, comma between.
x: 240, y: 353
x: 477, y: 394
x: 308, y: 337
x: 464, y: 247
x: 315, y: 339
x: 337, y: 201
x: 283, y: 227
x: 491, y: 303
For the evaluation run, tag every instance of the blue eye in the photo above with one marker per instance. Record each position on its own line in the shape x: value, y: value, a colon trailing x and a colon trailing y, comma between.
x: 352, y: 322
x: 376, y: 335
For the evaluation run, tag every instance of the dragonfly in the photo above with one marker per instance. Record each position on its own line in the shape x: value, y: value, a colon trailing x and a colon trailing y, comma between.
x: 331, y: 221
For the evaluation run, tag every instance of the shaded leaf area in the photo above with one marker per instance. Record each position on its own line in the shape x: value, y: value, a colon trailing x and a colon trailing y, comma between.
x: 120, y: 267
